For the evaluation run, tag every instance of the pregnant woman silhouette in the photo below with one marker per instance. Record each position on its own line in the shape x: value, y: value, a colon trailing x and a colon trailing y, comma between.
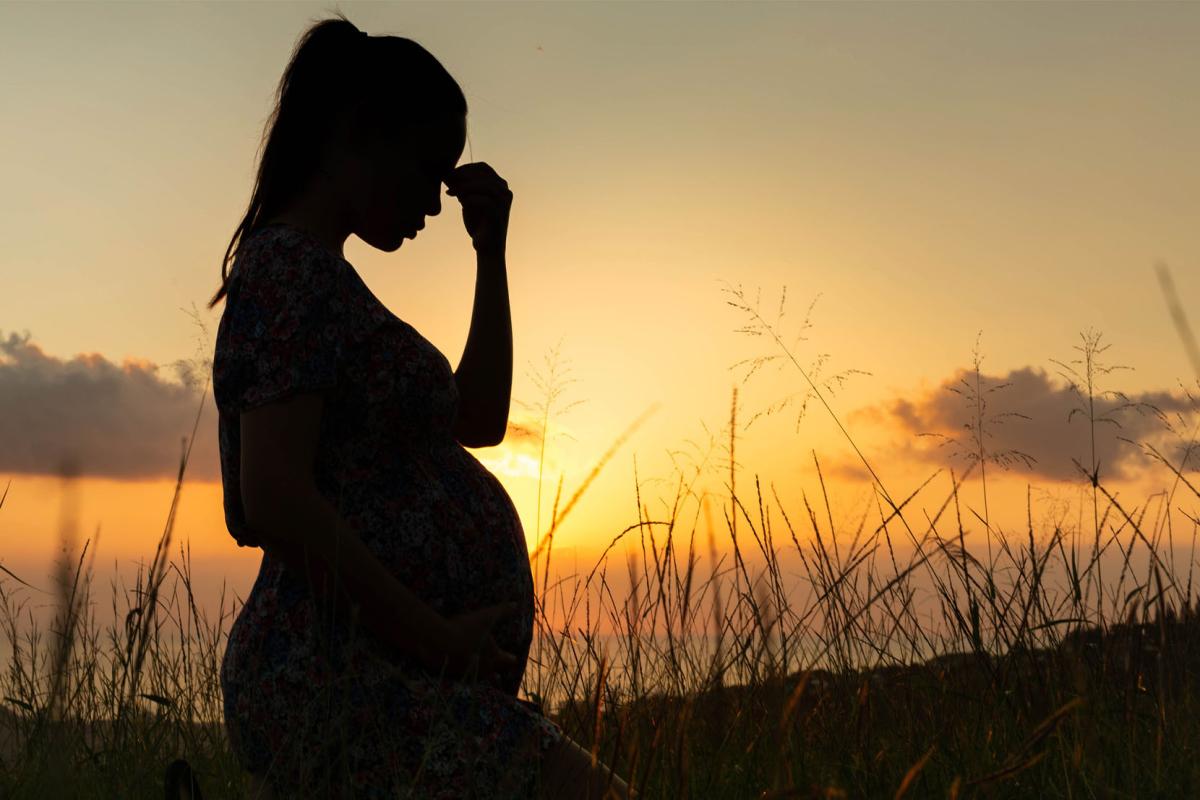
x: 380, y: 651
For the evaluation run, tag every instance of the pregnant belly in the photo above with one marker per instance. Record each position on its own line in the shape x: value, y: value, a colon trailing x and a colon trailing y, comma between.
x: 492, y: 551
x: 446, y: 527
x: 493, y: 566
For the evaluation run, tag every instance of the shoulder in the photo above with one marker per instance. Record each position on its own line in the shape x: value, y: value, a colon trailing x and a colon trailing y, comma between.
x: 278, y: 260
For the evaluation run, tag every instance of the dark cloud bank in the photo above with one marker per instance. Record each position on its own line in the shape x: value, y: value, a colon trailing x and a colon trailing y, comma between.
x: 1046, y: 435
x: 124, y: 421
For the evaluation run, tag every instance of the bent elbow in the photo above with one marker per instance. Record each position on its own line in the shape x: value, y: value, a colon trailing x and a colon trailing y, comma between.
x: 480, y: 441
x: 477, y: 437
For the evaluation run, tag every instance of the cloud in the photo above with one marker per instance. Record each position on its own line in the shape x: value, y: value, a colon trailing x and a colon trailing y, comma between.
x: 90, y: 416
x: 522, y: 433
x: 1033, y: 430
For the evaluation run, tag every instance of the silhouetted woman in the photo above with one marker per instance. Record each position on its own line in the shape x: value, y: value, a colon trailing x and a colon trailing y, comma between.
x: 380, y: 651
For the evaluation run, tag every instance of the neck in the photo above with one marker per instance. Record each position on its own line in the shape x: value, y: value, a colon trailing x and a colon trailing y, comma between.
x: 312, y: 212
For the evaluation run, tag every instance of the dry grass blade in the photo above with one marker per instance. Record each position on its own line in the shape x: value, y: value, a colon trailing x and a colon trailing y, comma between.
x: 1049, y: 724
x: 598, y: 711
x: 1006, y: 772
x: 1019, y: 761
x: 914, y: 771
x: 793, y: 702
x: 1179, y: 316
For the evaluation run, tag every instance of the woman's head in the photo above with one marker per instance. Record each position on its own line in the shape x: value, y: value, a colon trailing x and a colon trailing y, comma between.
x: 376, y: 121
x: 391, y: 175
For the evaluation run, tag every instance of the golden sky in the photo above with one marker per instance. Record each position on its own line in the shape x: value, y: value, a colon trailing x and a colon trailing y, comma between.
x: 924, y: 172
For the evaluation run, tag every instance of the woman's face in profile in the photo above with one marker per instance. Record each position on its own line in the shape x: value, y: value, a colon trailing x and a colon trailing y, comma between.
x: 404, y: 176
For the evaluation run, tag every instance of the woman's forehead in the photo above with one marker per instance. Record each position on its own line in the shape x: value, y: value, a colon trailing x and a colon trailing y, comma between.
x: 443, y: 139
x: 442, y: 128
x: 445, y: 150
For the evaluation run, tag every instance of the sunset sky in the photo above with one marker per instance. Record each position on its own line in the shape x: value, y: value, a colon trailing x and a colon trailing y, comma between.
x: 923, y: 171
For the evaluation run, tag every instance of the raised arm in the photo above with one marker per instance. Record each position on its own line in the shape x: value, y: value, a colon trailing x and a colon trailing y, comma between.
x: 484, y: 375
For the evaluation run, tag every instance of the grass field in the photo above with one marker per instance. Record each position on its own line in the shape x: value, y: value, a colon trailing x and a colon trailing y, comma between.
x: 1057, y: 661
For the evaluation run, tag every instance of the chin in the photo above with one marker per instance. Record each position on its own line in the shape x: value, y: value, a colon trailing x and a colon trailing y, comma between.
x: 390, y: 245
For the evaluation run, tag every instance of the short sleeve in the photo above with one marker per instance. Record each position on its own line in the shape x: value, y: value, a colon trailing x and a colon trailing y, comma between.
x: 281, y: 333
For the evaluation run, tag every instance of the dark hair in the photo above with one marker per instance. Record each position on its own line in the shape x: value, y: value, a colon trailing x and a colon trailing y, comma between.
x: 386, y: 82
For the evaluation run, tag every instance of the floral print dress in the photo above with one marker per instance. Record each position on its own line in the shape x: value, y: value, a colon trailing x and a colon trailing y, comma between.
x: 319, y: 706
